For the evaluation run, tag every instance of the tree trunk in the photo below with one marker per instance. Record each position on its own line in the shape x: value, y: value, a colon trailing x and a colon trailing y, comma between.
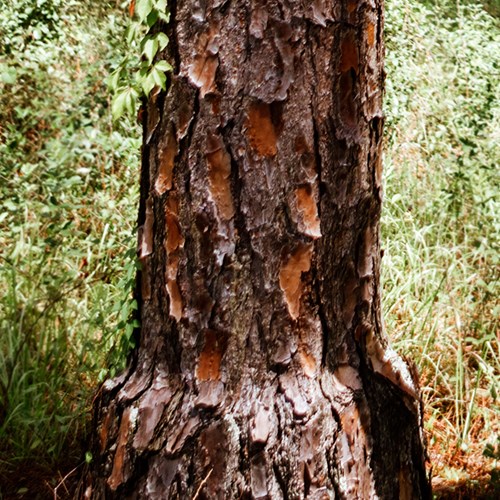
x: 262, y: 369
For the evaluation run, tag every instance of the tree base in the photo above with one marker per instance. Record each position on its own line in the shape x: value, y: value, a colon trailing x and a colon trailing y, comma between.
x: 289, y: 436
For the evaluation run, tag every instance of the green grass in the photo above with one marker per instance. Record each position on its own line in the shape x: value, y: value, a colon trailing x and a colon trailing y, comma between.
x: 441, y: 226
x: 68, y: 195
x: 69, y: 191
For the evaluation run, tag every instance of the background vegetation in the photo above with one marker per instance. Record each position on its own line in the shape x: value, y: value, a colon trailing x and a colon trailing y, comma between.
x: 441, y: 225
x: 69, y: 180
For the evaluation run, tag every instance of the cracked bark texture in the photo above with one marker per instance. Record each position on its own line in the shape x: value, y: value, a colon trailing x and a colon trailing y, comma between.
x: 262, y: 369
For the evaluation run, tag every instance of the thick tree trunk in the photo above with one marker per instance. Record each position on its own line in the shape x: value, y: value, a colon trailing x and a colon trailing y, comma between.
x: 263, y: 370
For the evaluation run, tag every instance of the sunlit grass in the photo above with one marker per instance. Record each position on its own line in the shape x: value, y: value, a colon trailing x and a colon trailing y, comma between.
x: 441, y: 226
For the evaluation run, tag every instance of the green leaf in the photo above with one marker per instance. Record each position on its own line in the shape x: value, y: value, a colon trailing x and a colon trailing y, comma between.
x: 163, y: 66
x: 141, y: 73
x: 162, y: 40
x: 35, y: 444
x: 113, y: 80
x: 125, y: 101
x: 9, y: 75
x: 129, y: 330
x: 147, y: 84
x: 143, y: 8
x: 10, y: 205
x: 119, y: 103
x: 165, y: 17
x: 150, y: 48
x: 152, y: 18
x: 161, y: 5
x: 133, y: 32
x: 131, y: 101
x: 159, y: 78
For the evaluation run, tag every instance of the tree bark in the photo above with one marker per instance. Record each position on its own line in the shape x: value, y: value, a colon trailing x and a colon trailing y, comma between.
x: 262, y: 369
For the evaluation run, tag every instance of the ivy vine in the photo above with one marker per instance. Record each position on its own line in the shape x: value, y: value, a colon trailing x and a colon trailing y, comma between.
x: 138, y: 74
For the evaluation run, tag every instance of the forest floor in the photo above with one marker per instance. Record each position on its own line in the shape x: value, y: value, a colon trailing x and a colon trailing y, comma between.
x: 30, y: 481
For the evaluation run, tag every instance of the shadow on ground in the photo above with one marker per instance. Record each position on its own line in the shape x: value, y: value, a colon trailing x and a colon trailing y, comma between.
x: 32, y: 481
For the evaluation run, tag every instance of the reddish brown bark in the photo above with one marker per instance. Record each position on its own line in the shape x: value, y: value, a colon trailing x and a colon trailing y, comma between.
x: 263, y: 370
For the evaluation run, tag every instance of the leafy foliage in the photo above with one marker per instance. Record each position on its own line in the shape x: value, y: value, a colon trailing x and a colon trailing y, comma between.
x: 67, y: 262
x: 138, y: 72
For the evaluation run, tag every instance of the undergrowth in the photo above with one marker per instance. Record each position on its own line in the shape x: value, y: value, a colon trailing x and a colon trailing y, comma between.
x: 68, y: 193
x: 441, y: 226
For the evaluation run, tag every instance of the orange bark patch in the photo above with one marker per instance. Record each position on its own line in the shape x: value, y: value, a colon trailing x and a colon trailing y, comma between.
x: 350, y: 422
x: 261, y: 131
x: 145, y: 279
x: 167, y: 156
x: 104, y: 431
x: 219, y: 171
x: 352, y: 5
x: 175, y: 239
x: 348, y: 54
x: 308, y: 362
x: 301, y: 146
x: 117, y: 475
x: 308, y: 210
x: 202, y: 70
x: 347, y: 104
x: 174, y: 294
x: 202, y: 73
x: 290, y: 277
x: 211, y: 357
x: 215, y: 101
x: 370, y: 33
x: 173, y: 243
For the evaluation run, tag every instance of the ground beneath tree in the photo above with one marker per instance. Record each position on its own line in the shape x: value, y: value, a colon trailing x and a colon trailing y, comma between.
x: 462, y: 471
x: 460, y: 475
x: 32, y: 481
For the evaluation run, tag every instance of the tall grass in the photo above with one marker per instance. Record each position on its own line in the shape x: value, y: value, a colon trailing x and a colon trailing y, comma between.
x: 68, y: 195
x: 441, y: 223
